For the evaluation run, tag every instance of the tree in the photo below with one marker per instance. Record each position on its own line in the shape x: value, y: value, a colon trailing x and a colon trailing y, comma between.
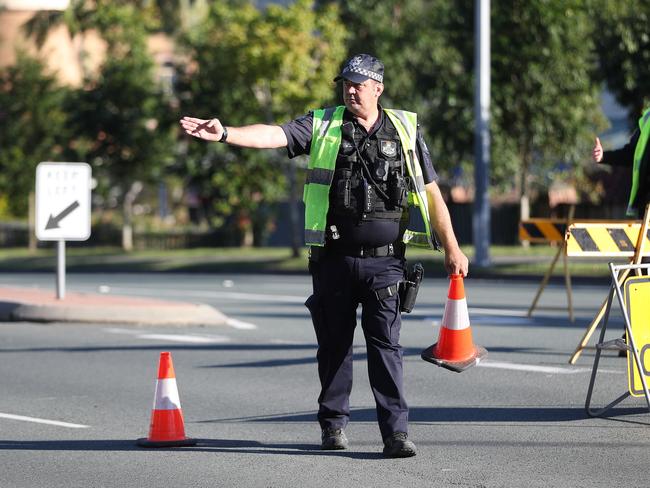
x: 623, y: 46
x: 427, y: 49
x: 546, y: 107
x: 250, y: 66
x: 33, y: 128
x: 544, y: 100
x: 119, y: 114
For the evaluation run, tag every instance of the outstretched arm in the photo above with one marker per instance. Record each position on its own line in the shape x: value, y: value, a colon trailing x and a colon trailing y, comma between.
x: 259, y: 136
x: 455, y: 261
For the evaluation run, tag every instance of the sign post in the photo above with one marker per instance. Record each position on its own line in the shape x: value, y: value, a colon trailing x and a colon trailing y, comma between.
x: 62, y: 208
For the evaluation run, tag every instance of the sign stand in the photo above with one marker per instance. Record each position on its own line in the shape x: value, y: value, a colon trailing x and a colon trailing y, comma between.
x: 63, y: 201
x: 636, y: 259
x: 60, y: 269
x: 567, y: 276
x: 619, y: 344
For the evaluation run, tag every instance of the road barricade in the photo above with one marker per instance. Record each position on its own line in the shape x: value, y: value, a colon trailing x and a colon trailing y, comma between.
x: 613, y: 239
x: 551, y: 231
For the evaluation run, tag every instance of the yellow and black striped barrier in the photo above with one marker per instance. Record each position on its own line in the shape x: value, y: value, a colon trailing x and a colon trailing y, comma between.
x: 608, y: 238
x: 605, y: 239
x: 542, y: 230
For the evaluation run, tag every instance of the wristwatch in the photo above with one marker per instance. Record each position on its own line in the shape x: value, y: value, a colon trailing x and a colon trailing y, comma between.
x: 224, y: 136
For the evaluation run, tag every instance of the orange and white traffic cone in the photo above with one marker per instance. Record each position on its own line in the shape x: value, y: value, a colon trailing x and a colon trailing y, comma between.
x: 167, y: 427
x: 455, y: 349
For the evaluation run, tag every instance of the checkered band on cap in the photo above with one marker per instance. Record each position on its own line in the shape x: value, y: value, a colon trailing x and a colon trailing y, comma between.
x: 364, y: 65
x: 368, y: 73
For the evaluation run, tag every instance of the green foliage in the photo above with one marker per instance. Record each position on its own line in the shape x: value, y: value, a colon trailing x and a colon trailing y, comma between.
x: 623, y: 43
x: 33, y: 128
x: 544, y: 102
x: 252, y: 66
x: 119, y: 114
x: 427, y: 51
x: 546, y: 107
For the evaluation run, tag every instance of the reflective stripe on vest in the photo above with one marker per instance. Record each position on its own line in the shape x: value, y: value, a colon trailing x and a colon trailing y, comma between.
x: 325, y: 142
x: 326, y: 139
x: 641, y: 144
x: 407, y: 125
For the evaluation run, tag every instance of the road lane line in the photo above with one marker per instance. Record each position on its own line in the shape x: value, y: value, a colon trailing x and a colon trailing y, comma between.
x: 213, y: 294
x: 185, y: 338
x: 509, y: 312
x: 196, y: 339
x: 535, y: 368
x: 43, y: 421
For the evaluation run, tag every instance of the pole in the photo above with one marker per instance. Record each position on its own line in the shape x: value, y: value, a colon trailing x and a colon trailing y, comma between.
x: 60, y: 269
x: 482, y: 134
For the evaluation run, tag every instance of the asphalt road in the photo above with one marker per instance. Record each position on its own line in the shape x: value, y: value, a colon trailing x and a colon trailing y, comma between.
x: 75, y: 397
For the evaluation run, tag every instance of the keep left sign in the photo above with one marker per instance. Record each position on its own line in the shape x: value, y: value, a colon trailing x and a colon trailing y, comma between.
x: 63, y: 202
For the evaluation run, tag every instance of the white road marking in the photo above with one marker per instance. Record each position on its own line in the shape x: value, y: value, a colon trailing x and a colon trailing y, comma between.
x: 42, y: 421
x: 537, y: 369
x: 230, y: 295
x: 497, y: 311
x: 196, y: 339
x: 238, y: 324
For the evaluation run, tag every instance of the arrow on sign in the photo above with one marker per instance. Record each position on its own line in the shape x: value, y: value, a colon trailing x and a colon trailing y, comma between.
x: 53, y: 222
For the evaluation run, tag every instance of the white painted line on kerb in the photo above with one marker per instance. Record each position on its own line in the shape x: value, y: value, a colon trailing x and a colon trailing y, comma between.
x: 535, y: 369
x: 42, y: 421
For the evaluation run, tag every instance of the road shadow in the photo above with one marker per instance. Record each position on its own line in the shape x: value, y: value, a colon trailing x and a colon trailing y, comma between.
x: 7, y: 309
x: 243, y: 446
x: 453, y: 414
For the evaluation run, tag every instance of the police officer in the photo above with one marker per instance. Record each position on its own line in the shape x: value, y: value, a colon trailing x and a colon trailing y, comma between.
x: 367, y: 163
x: 636, y: 153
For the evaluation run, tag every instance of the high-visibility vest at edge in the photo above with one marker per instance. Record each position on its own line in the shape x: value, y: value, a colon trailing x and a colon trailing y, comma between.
x: 326, y: 139
x: 642, y: 143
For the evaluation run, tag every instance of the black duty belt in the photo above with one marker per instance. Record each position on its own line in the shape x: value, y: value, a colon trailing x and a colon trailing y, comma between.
x: 394, y: 249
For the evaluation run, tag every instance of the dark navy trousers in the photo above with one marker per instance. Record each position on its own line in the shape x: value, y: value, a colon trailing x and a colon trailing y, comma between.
x: 341, y: 284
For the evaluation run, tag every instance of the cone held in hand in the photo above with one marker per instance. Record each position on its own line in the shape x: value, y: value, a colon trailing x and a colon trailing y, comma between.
x: 167, y: 426
x: 455, y: 349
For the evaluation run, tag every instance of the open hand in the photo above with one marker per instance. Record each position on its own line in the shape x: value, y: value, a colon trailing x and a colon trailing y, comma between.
x: 209, y: 130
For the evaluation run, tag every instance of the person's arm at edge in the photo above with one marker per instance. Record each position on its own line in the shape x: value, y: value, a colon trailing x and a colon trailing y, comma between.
x: 623, y: 156
x: 257, y: 136
x: 455, y: 260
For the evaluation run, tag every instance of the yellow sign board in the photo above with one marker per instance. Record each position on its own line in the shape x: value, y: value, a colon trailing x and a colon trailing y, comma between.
x: 637, y: 299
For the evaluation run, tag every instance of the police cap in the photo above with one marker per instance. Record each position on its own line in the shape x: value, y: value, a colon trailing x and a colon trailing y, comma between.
x: 361, y: 68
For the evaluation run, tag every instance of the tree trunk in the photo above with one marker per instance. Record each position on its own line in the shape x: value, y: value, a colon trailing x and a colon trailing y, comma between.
x: 127, y: 210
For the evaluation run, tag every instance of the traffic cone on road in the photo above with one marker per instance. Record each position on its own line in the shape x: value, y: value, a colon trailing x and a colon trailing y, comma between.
x: 455, y: 349
x: 167, y: 427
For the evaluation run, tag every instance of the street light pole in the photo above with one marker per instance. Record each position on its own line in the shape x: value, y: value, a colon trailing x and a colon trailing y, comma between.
x: 481, y: 221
